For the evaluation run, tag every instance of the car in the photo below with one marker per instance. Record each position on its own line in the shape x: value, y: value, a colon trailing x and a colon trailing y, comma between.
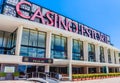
x: 37, y: 80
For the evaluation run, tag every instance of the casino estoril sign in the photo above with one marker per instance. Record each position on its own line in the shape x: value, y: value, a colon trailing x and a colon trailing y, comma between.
x: 50, y: 18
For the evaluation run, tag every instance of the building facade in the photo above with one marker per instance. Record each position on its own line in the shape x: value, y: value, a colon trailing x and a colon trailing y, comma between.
x: 35, y: 39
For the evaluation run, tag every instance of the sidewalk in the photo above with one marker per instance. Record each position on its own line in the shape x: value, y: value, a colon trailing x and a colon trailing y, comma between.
x: 108, y: 80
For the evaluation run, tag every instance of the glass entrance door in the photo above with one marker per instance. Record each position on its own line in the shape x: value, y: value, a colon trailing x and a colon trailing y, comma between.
x: 30, y: 71
x: 61, y: 70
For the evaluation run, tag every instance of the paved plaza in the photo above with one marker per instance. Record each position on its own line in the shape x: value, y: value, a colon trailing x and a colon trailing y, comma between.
x: 108, y: 80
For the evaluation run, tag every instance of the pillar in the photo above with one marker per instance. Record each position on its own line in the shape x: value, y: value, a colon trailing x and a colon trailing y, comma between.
x: 112, y: 56
x: 85, y: 48
x: 48, y: 44
x: 48, y: 49
x: 106, y: 54
x: 69, y: 46
x: 70, y: 71
x: 18, y: 40
x: 86, y: 70
x: 97, y: 53
x: 107, y: 69
x: 117, y: 57
x: 47, y: 68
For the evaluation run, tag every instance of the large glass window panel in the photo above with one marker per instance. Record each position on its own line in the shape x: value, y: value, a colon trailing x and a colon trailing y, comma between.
x: 40, y: 53
x: 1, y: 38
x: 24, y: 51
x: 36, y: 42
x: 59, y: 47
x: 25, y: 37
x: 109, y: 56
x: 32, y: 52
x: 102, y: 54
x: 33, y: 38
x: 41, y: 39
x: 77, y: 50
x: 91, y: 52
x: 52, y: 42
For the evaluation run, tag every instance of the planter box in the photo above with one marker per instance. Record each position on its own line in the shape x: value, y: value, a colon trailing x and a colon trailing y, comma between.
x: 16, y: 78
x: 74, y: 79
x: 2, y: 78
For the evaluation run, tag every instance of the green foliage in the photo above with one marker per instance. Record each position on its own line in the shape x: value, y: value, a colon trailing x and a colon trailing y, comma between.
x: 16, y: 74
x: 77, y: 76
x: 2, y: 74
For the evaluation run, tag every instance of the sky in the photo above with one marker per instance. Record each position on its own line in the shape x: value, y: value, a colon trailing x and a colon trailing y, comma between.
x: 103, y: 15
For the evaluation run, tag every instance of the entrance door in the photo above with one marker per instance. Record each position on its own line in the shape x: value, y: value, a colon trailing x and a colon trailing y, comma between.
x: 61, y: 70
x: 33, y: 71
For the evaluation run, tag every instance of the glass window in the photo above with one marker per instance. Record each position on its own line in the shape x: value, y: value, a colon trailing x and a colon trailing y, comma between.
x: 59, y: 47
x: 25, y: 37
x: 41, y: 39
x: 40, y: 53
x: 52, y: 42
x: 35, y: 43
x: 102, y: 59
x: 109, y: 56
x: 1, y: 38
x: 91, y: 52
x: 77, y: 50
x: 32, y: 52
x: 33, y: 38
x: 24, y: 51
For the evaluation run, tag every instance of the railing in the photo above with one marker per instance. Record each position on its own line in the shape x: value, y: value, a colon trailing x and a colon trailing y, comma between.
x: 43, y: 75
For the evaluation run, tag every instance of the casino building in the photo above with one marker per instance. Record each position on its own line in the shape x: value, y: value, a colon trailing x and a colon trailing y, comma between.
x: 35, y: 39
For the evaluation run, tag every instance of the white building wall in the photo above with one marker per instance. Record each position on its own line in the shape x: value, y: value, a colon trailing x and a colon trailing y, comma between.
x: 18, y: 40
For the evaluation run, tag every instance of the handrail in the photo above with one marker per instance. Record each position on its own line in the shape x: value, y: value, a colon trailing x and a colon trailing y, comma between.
x: 44, y: 75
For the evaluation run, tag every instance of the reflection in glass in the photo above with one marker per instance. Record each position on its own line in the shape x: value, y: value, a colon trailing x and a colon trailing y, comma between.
x: 35, y: 43
x: 77, y: 50
x: 40, y: 53
x: 33, y: 38
x: 24, y: 51
x: 91, y: 52
x: 59, y: 47
x: 25, y: 37
x: 41, y: 39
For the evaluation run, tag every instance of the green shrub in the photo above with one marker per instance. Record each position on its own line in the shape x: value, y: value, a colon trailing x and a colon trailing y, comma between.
x: 94, y: 75
x: 2, y: 74
x: 15, y: 74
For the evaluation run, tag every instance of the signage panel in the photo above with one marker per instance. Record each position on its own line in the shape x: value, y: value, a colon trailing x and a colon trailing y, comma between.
x: 37, y: 60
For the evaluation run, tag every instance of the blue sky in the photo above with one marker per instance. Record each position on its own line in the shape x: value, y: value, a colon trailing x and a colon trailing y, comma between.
x: 103, y: 15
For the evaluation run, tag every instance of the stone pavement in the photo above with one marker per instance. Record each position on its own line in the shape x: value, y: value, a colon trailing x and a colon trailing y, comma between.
x: 108, y: 80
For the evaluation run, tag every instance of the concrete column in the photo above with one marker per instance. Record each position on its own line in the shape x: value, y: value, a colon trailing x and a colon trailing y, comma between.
x: 97, y: 69
x: 69, y: 52
x: 47, y: 68
x: 48, y: 44
x: 117, y: 57
x: 48, y: 49
x: 85, y: 48
x: 86, y: 70
x: 70, y: 71
x: 97, y: 53
x: 112, y: 56
x: 18, y: 40
x: 106, y: 54
x: 69, y: 47
x: 107, y: 69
